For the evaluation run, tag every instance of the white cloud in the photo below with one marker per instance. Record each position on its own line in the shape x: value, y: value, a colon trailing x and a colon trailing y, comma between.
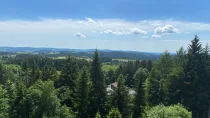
x: 137, y: 31
x: 112, y: 32
x: 165, y: 30
x: 80, y: 35
x: 90, y: 20
x: 132, y: 31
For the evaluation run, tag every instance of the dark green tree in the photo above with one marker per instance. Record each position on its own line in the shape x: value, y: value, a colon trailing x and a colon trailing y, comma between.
x: 17, y: 108
x: 177, y: 77
x: 4, y: 103
x: 149, y: 65
x: 2, y: 78
x: 49, y: 73
x: 159, y: 80
x: 82, y: 92
x: 98, y: 92
x: 143, y: 64
x: 120, y: 97
x: 196, y: 80
x: 140, y: 100
x: 67, y: 81
x: 35, y: 73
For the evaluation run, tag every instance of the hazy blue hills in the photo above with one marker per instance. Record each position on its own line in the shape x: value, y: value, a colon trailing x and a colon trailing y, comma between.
x: 106, y: 53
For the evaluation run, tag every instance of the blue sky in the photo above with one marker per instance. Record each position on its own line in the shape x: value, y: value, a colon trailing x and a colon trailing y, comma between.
x: 141, y: 25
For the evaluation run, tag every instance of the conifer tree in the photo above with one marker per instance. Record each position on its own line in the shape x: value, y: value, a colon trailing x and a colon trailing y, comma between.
x: 158, y: 81
x: 67, y: 81
x: 114, y: 113
x: 143, y: 64
x: 82, y: 92
x: 34, y: 73
x: 49, y: 73
x: 149, y: 65
x: 196, y: 81
x: 120, y: 97
x: 2, y: 79
x: 4, y: 103
x: 140, y: 100
x: 98, y: 93
x: 98, y: 115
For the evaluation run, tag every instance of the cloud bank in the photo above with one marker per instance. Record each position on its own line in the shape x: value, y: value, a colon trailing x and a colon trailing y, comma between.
x: 63, y: 31
x: 155, y: 28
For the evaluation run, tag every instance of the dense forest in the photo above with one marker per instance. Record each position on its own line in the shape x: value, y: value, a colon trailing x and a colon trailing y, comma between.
x: 174, y: 86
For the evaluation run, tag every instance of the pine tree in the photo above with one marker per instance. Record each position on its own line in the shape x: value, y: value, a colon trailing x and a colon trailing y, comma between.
x: 196, y: 80
x: 49, y: 73
x: 26, y: 70
x: 143, y: 64
x: 34, y: 73
x: 120, y: 97
x: 158, y: 81
x: 98, y: 93
x: 176, y: 77
x: 114, y: 113
x: 17, y: 108
x: 67, y: 81
x: 140, y: 100
x: 4, y: 103
x: 82, y: 92
x: 69, y: 73
x: 149, y: 65
x: 2, y: 79
x: 98, y: 115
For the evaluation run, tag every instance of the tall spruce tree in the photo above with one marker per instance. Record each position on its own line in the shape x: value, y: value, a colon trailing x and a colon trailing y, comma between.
x: 196, y: 80
x: 82, y: 92
x: 98, y: 93
x: 67, y: 81
x: 149, y: 65
x: 140, y: 100
x: 2, y: 79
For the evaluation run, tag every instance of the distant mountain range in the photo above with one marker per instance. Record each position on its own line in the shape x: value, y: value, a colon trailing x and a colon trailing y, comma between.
x: 42, y: 49
x: 84, y: 52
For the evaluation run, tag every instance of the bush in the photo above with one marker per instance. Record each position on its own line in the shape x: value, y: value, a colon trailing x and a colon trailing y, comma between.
x: 174, y: 111
x: 114, y: 113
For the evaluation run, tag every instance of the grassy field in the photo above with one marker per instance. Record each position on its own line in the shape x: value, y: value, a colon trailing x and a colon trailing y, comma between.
x: 108, y: 67
x: 122, y: 60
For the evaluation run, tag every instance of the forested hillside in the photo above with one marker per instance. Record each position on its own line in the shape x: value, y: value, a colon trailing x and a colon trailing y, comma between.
x: 39, y: 86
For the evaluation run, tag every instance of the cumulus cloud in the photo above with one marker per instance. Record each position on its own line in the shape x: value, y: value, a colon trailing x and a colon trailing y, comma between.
x: 132, y: 31
x: 90, y: 20
x: 80, y: 35
x: 165, y: 30
x: 137, y: 31
x: 112, y: 32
